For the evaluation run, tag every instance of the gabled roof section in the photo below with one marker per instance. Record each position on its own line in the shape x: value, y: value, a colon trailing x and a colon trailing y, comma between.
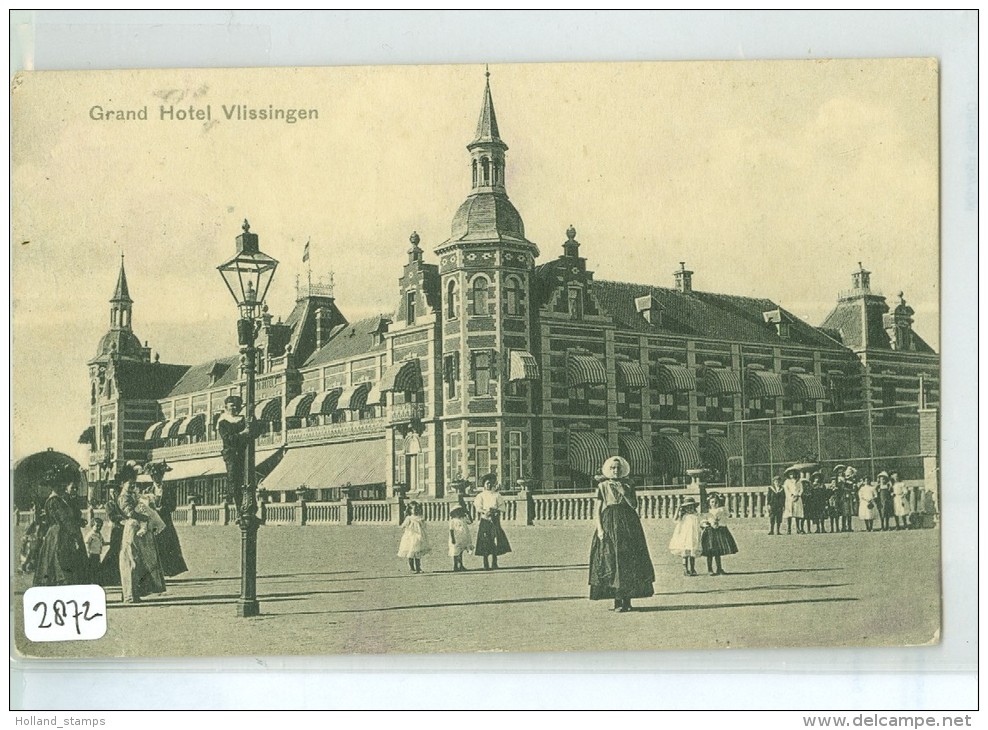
x: 146, y: 380
x: 351, y: 340
x: 201, y: 377
x: 703, y: 314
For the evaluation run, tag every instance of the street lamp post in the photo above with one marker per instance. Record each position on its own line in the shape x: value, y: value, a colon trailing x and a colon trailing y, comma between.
x: 248, y: 276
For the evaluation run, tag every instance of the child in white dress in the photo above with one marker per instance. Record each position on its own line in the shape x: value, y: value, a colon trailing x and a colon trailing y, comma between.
x: 685, y: 540
x: 460, y: 536
x: 414, y: 540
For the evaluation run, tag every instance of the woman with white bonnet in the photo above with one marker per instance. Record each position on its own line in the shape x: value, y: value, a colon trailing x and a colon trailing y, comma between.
x: 620, y: 566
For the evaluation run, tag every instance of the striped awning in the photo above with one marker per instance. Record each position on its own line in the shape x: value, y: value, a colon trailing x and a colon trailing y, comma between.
x: 633, y: 448
x: 193, y: 425
x: 403, y: 377
x: 721, y: 381
x: 330, y: 465
x: 268, y: 410
x: 298, y: 407
x: 804, y: 386
x: 718, y: 450
x: 375, y: 396
x: 194, y: 468
x: 585, y: 370
x: 762, y: 384
x: 325, y: 402
x: 522, y: 365
x: 587, y: 452
x: 677, y: 454
x: 674, y: 378
x: 353, y: 397
x: 631, y: 374
x: 171, y: 426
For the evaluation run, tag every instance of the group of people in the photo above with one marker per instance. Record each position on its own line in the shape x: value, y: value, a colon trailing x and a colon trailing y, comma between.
x: 491, y: 541
x: 142, y: 549
x: 811, y: 503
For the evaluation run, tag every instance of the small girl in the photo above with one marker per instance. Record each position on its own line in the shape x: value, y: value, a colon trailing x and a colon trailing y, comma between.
x: 685, y: 540
x: 29, y: 548
x: 716, y: 539
x: 460, y: 536
x: 93, y: 537
x: 414, y: 541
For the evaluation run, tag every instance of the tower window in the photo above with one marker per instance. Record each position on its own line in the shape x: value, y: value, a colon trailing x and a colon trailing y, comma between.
x: 451, y: 373
x: 475, y: 173
x: 480, y: 296
x: 482, y: 372
x: 410, y: 308
x: 452, y: 300
x: 485, y: 166
x: 512, y: 292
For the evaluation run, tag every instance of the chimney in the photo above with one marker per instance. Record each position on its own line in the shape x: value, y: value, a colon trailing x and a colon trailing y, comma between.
x: 861, y: 279
x: 320, y: 327
x: 684, y: 278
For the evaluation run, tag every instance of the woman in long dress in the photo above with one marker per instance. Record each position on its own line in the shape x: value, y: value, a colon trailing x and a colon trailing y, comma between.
x: 163, y: 501
x: 900, y: 504
x: 794, y: 487
x: 620, y: 565
x: 868, y: 504
x: 140, y: 569
x: 491, y: 540
x: 109, y: 566
x: 62, y: 559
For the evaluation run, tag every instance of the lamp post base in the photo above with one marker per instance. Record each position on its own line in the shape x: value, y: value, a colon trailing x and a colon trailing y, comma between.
x: 246, y: 609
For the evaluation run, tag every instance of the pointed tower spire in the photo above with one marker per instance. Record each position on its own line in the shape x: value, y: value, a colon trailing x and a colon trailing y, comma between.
x: 487, y: 124
x: 121, y: 294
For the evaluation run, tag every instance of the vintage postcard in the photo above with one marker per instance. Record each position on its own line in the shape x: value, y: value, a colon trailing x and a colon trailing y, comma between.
x: 568, y: 357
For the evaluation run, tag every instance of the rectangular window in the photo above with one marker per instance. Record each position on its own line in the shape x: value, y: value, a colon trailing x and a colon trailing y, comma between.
x: 514, y: 456
x: 410, y: 308
x: 482, y: 372
x: 455, y: 457
x: 451, y: 373
x: 481, y: 453
x: 575, y: 303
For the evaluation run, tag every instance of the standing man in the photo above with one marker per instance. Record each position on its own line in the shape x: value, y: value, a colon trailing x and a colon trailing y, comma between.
x: 232, y: 429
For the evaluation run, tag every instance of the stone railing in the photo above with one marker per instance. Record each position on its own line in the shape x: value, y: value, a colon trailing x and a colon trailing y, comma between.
x: 337, y: 430
x: 523, y: 508
x: 176, y: 453
x: 406, y: 412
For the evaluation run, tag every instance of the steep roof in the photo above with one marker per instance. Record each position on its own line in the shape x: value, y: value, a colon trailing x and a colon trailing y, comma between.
x: 350, y: 340
x: 703, y: 314
x: 146, y: 380
x: 199, y: 377
x: 121, y: 293
x: 487, y: 124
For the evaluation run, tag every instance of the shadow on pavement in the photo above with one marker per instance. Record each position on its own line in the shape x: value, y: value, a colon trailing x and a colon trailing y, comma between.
x: 700, y: 606
x: 781, y: 570
x: 505, y: 601
x: 784, y: 587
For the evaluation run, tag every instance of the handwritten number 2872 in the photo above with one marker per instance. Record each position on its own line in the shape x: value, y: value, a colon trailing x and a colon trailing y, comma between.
x: 60, y: 612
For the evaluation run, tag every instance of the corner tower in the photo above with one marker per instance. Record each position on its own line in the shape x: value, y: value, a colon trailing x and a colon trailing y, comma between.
x: 485, y: 269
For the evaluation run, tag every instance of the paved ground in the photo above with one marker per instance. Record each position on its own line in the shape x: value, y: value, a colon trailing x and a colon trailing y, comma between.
x: 342, y: 590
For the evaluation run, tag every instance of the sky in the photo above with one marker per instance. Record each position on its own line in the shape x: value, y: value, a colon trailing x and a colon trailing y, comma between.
x: 769, y: 179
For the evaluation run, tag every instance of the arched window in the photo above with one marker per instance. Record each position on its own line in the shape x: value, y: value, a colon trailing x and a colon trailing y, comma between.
x: 485, y: 165
x: 480, y: 296
x: 475, y: 173
x: 452, y: 300
x: 512, y: 293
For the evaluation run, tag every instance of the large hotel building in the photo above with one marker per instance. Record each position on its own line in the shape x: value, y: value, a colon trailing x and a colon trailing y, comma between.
x: 495, y: 357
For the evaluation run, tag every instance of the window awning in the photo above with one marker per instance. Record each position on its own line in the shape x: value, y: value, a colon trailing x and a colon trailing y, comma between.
x: 587, y: 451
x: 762, y: 384
x: 522, y: 365
x: 677, y: 454
x: 88, y: 436
x: 721, y: 381
x: 268, y: 410
x: 353, y: 397
x: 154, y: 431
x: 804, y: 386
x: 194, y: 468
x: 718, y: 450
x: 674, y: 378
x: 193, y: 425
x: 404, y: 377
x: 633, y: 448
x: 585, y: 370
x: 298, y: 407
x: 330, y: 465
x: 631, y: 374
x: 170, y: 429
x: 325, y: 402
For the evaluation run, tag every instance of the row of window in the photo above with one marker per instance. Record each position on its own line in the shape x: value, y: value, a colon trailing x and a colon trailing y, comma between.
x: 480, y: 299
x: 482, y: 456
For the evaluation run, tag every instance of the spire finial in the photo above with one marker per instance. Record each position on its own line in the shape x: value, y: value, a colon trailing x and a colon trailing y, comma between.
x: 246, y: 226
x: 414, y: 239
x: 487, y: 71
x: 571, y: 232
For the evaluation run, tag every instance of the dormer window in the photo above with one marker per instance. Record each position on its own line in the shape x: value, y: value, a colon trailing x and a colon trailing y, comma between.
x: 648, y: 307
x: 780, y: 321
